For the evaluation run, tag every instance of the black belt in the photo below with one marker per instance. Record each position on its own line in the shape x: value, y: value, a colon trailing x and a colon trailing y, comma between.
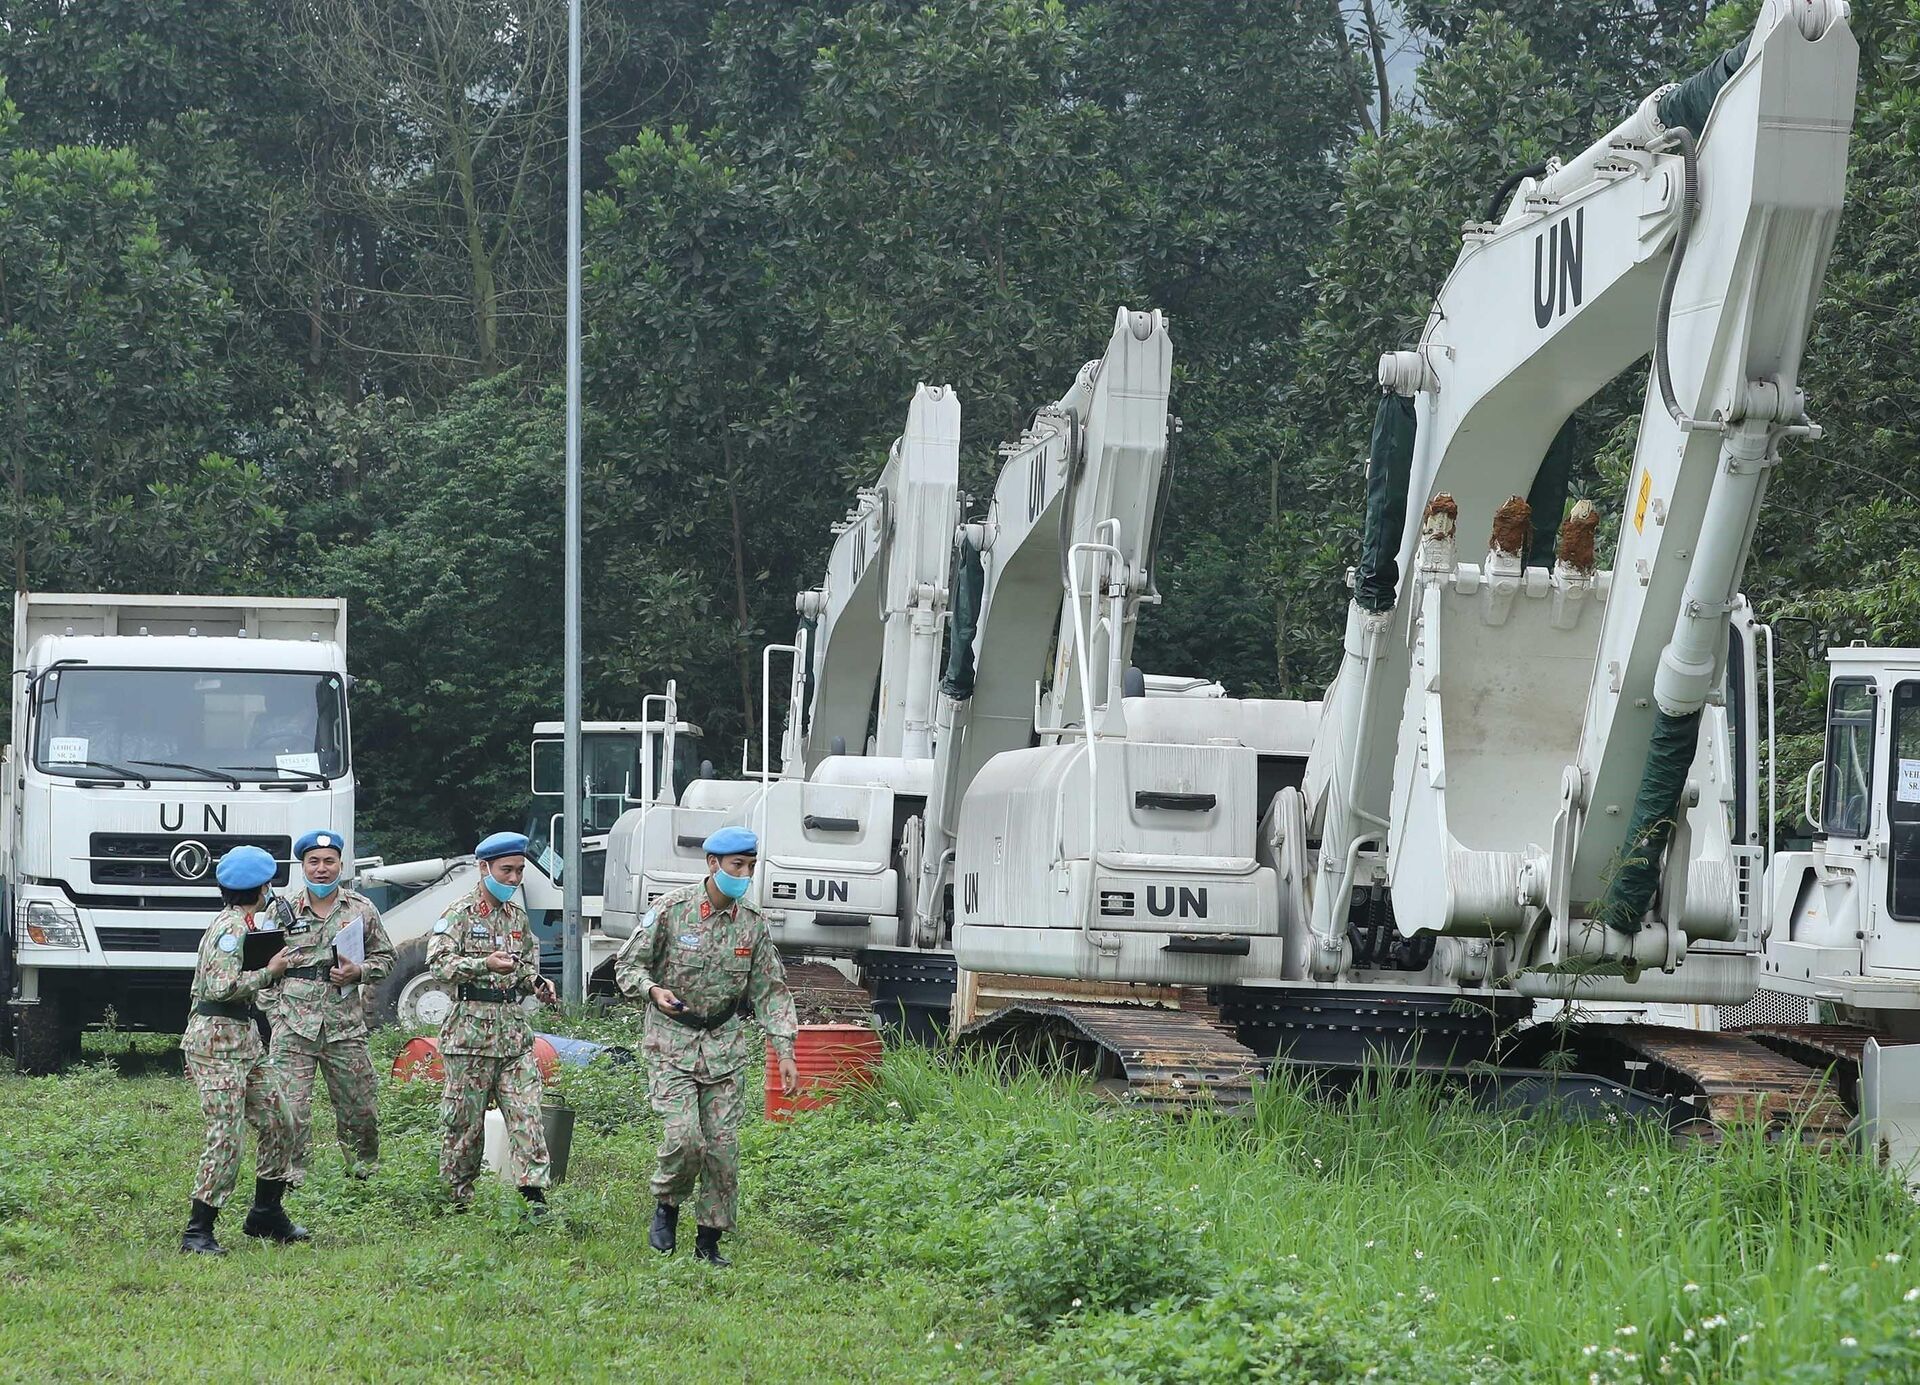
x: 489, y: 994
x: 738, y: 1010
x: 317, y: 972
x: 223, y: 1009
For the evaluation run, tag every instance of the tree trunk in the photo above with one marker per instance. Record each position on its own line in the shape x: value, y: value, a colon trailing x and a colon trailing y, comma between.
x: 1377, y: 44
x: 740, y: 589
x: 481, y: 288
x: 317, y: 308
x: 1360, y: 106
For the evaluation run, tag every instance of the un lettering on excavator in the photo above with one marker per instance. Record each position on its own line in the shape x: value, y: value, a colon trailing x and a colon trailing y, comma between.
x: 1559, y: 253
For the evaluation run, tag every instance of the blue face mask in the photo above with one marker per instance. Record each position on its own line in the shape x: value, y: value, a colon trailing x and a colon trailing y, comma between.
x: 500, y: 890
x: 319, y: 891
x: 732, y: 886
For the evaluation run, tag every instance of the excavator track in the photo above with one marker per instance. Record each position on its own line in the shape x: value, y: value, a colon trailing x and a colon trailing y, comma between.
x: 1717, y: 1080
x: 1161, y: 1059
x: 1701, y: 1083
x: 1835, y: 1049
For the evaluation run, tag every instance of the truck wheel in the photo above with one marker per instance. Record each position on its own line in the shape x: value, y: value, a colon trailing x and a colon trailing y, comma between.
x: 410, y: 995
x: 42, y: 1042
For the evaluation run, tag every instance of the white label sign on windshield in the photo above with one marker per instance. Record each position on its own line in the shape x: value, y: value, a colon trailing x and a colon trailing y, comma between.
x: 1908, y: 789
x: 72, y: 750
x: 292, y: 765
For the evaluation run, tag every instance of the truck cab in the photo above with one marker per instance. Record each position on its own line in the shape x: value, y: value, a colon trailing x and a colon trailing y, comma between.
x: 150, y: 735
x: 623, y: 764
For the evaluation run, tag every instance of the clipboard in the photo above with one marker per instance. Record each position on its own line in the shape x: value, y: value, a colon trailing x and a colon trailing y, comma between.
x: 260, y: 947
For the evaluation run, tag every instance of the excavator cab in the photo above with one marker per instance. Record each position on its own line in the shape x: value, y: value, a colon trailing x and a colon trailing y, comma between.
x: 1846, y: 911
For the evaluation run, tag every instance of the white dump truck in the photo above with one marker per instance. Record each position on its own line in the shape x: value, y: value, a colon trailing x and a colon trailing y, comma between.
x: 149, y: 735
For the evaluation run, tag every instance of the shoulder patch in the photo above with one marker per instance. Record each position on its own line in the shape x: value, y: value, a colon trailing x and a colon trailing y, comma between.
x: 441, y: 926
x: 651, y: 918
x: 229, y: 943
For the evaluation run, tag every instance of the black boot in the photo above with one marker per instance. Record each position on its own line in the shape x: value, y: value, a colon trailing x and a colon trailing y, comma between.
x: 666, y: 1228
x: 706, y: 1246
x: 267, y: 1218
x: 536, y: 1201
x: 199, y: 1234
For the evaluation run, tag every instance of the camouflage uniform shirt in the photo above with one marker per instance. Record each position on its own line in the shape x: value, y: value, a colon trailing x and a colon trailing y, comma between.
x: 457, y: 953
x: 217, y: 977
x: 711, y: 959
x: 314, y: 1008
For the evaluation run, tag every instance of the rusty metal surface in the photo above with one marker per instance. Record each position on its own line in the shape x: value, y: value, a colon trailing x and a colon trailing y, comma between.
x: 1840, y: 1043
x: 1835, y: 1049
x: 822, y: 994
x: 1169, y: 1059
x: 1735, y: 1079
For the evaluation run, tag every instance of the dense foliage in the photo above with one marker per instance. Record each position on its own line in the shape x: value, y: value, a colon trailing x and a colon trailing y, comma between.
x: 279, y: 307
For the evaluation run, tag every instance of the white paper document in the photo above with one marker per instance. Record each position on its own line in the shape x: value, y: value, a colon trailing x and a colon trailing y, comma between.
x: 350, y: 943
x: 66, y: 750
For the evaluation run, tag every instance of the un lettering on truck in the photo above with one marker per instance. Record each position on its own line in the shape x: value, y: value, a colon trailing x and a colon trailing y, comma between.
x: 150, y: 735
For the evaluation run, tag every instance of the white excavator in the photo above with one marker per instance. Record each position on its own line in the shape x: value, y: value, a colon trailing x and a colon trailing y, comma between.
x: 1074, y: 521
x: 854, y: 761
x: 845, y: 835
x: 1532, y: 778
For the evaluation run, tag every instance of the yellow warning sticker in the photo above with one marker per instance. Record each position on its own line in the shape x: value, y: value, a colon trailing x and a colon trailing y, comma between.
x: 1640, y: 505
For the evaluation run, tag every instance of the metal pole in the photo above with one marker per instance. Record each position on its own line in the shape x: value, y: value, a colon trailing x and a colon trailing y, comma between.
x: 573, y: 976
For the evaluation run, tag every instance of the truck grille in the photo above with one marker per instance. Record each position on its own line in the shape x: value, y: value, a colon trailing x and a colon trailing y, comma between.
x: 150, y: 939
x: 127, y: 858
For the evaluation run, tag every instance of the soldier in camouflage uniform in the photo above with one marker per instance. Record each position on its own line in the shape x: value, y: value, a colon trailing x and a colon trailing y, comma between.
x: 237, y: 1087
x: 485, y: 947
x: 702, y: 960
x: 318, y: 1022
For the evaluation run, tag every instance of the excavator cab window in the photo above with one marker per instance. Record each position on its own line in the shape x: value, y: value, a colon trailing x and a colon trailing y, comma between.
x: 1849, y: 770
x: 1903, y: 804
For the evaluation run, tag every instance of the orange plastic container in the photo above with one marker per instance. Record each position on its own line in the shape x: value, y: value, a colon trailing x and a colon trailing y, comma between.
x: 421, y: 1060
x: 830, y: 1057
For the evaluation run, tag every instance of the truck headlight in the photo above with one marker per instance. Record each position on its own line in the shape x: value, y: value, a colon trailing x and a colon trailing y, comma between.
x: 52, y: 925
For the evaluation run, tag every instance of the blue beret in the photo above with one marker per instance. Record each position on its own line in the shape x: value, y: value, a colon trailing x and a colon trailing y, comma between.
x: 245, y: 868
x: 732, y: 841
x: 313, y: 841
x: 502, y: 844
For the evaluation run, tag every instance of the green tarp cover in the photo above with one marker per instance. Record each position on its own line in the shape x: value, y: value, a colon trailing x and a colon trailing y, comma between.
x: 1688, y: 105
x: 1548, y: 498
x: 810, y: 628
x: 969, y: 583
x: 1388, y: 472
x: 1637, y: 872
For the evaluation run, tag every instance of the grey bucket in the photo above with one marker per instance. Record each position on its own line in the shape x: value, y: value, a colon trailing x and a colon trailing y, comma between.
x: 558, y: 1121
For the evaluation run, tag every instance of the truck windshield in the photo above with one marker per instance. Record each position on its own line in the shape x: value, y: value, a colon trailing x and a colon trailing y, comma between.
x: 192, y: 723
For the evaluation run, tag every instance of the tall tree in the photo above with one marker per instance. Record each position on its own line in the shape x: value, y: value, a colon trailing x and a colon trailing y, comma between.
x: 113, y: 346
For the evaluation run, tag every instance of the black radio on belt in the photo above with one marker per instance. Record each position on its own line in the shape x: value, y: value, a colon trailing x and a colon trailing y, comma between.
x: 739, y: 1009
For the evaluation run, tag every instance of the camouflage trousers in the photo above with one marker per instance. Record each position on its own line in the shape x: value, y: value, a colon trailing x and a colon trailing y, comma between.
x: 700, y: 1141
x: 351, y: 1084
x: 473, y: 1082
x: 236, y: 1093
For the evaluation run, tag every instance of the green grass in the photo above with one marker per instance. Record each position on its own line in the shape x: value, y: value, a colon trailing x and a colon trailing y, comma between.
x: 950, y: 1224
